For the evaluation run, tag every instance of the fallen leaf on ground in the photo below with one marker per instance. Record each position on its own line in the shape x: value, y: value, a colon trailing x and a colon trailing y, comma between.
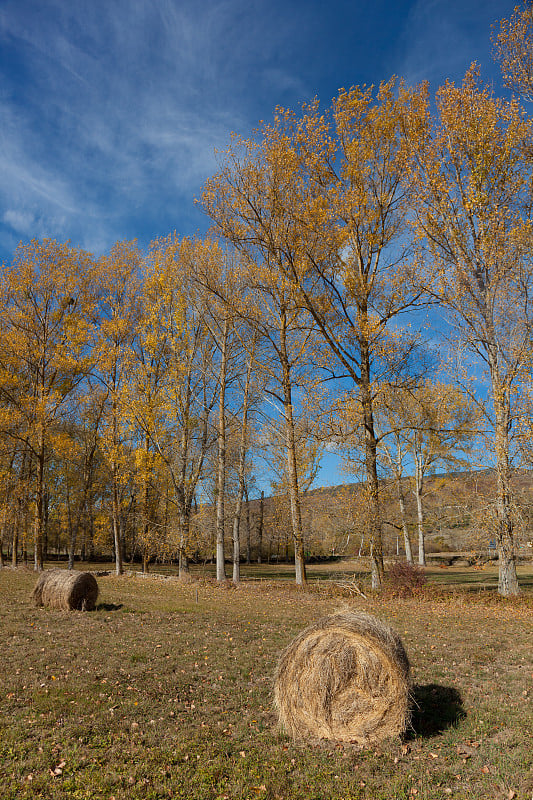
x: 58, y: 770
x: 465, y: 750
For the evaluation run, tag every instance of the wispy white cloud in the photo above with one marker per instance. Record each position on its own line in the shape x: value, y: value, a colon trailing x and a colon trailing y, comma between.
x: 20, y: 221
x: 110, y: 112
x: 123, y: 105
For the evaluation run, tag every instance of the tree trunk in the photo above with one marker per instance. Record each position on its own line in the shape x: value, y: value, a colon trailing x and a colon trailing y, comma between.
x: 90, y: 523
x: 183, y: 564
x: 405, y: 529
x: 292, y: 472
x: 2, y: 535
x: 15, y: 538
x: 7, y: 503
x: 241, y: 471
x: 16, y: 529
x: 146, y: 508
x: 39, y: 508
x: 260, y: 528
x: 46, y: 504
x: 396, y: 466
x: 73, y: 535
x: 122, y: 535
x: 221, y: 460
x: 419, y: 482
x: 296, y: 513
x: 183, y: 561
x: 22, y: 498
x: 374, y: 511
x: 248, y: 528
x: 119, y: 568
x: 236, y: 575
x: 507, y: 577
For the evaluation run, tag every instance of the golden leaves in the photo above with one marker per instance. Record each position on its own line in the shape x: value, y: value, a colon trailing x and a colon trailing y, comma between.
x: 473, y: 198
x: 48, y: 296
x: 513, y: 48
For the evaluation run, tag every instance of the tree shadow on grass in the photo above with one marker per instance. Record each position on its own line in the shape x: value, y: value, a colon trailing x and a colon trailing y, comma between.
x: 434, y: 709
x: 109, y: 606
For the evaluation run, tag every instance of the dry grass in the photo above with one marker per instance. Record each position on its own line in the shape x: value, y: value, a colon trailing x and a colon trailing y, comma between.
x: 165, y: 691
x: 344, y: 678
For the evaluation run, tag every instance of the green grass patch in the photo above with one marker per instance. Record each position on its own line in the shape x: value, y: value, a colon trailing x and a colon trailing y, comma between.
x: 478, y: 578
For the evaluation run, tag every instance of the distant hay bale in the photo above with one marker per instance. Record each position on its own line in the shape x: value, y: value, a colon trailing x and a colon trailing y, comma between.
x: 344, y: 678
x: 66, y: 590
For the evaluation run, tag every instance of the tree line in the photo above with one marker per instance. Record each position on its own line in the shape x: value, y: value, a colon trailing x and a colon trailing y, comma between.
x: 298, y: 323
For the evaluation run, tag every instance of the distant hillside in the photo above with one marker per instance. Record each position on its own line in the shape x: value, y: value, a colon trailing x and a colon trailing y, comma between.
x: 458, y: 508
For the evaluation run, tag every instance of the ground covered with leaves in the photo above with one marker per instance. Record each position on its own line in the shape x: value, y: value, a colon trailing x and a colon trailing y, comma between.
x: 165, y: 691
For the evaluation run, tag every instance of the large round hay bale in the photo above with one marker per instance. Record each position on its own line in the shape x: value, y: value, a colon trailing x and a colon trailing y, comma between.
x: 66, y: 590
x: 344, y: 678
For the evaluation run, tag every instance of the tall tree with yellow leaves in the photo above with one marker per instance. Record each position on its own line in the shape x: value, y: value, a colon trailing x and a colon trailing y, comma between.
x: 219, y: 286
x: 8, y: 482
x: 513, y: 48
x: 474, y: 214
x: 243, y: 446
x: 146, y: 377
x: 176, y: 384
x: 321, y: 202
x: 48, y: 302
x: 119, y: 312
x: 81, y: 439
x: 283, y: 344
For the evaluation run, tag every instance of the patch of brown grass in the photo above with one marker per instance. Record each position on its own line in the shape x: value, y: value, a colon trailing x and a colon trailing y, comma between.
x: 166, y: 691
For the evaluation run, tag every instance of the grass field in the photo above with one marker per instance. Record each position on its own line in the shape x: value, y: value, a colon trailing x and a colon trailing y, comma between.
x: 165, y: 692
x: 478, y: 578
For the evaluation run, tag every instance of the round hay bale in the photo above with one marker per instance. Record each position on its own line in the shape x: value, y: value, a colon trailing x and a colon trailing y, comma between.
x: 66, y: 590
x: 344, y: 678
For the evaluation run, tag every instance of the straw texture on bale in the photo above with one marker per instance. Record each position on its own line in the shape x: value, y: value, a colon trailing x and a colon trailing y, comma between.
x: 344, y: 678
x: 66, y: 590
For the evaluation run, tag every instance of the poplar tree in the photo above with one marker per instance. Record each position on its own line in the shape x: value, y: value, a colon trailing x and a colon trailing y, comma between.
x: 320, y: 203
x: 48, y: 302
x: 276, y: 330
x: 176, y: 386
x: 119, y: 309
x: 474, y: 202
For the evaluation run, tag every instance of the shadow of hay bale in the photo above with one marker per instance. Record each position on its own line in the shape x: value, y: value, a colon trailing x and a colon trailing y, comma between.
x: 434, y: 709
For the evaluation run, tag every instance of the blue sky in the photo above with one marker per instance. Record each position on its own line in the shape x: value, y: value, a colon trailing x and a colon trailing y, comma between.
x: 111, y: 110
